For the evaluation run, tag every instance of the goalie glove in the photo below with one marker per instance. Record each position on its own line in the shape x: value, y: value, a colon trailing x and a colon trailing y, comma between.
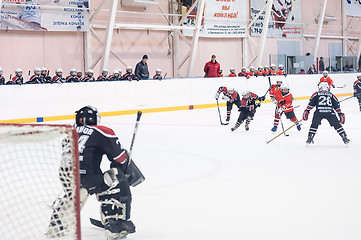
x: 342, y: 117
x: 305, y: 115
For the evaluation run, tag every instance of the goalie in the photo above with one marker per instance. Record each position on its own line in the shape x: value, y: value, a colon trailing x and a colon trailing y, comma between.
x: 111, y: 187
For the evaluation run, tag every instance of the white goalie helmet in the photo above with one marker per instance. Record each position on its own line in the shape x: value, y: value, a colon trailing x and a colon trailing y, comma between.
x: 325, y: 73
x: 324, y: 87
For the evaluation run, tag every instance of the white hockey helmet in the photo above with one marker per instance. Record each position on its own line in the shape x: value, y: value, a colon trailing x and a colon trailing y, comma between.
x: 325, y: 73
x: 43, y: 69
x: 273, y: 65
x: 128, y: 68
x: 37, y: 69
x: 280, y: 66
x: 359, y: 76
x: 116, y: 71
x: 1, y: 69
x: 245, y: 93
x: 58, y: 70
x: 266, y: 66
x: 72, y: 70
x: 260, y: 67
x: 232, y: 69
x: 105, y: 70
x: 18, y: 70
x: 120, y: 71
x: 230, y: 89
x: 244, y: 68
x: 90, y: 71
x: 284, y: 87
x: 323, y: 86
x: 279, y: 80
x: 79, y: 71
x: 158, y: 70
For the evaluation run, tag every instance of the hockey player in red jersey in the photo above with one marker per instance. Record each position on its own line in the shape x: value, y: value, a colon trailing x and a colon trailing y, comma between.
x: 259, y: 72
x: 326, y: 78
x: 231, y: 96
x: 283, y: 99
x: 272, y: 70
x: 357, y: 89
x: 275, y: 89
x: 36, y: 77
x: 267, y: 71
x: 232, y: 72
x: 280, y: 70
x: 247, y: 109
x: 243, y: 72
x: 327, y: 105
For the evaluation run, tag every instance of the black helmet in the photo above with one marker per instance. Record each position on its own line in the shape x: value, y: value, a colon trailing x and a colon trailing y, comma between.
x: 87, y: 115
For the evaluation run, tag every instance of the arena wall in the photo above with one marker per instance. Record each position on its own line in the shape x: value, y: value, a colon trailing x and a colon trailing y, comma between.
x: 51, y: 102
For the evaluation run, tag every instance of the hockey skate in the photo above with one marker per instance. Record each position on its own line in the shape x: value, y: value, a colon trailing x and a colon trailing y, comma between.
x: 235, y: 126
x: 274, y: 129
x: 246, y: 125
x: 118, y: 229
x: 228, y: 118
x: 309, y: 141
x: 345, y: 140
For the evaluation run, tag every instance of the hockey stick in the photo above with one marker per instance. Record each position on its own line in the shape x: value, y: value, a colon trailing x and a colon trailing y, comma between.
x: 341, y: 86
x: 350, y: 97
x: 284, y: 131
x: 219, y: 114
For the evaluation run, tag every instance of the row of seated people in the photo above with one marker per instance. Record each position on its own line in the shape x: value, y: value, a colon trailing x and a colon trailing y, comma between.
x: 261, y: 71
x: 41, y: 75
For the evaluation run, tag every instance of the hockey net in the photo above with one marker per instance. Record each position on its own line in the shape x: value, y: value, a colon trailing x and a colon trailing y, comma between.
x: 39, y: 182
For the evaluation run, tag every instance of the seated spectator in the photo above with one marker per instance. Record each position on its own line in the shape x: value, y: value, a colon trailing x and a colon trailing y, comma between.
x: 232, y: 72
x: 158, y: 74
x: 311, y: 70
x: 302, y: 71
x: 348, y: 66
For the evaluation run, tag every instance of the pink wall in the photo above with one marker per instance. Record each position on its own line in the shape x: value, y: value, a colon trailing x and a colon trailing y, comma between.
x: 65, y: 50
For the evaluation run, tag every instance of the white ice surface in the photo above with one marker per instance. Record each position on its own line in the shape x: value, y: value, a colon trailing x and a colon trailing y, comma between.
x: 205, y: 182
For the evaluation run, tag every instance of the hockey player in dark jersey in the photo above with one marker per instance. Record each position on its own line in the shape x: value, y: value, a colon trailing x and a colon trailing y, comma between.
x: 36, y: 77
x: 326, y: 104
x: 231, y: 96
x: 247, y: 108
x: 72, y: 76
x: 44, y: 77
x: 89, y: 76
x: 357, y: 89
x: 2, y: 79
x: 112, y: 186
x: 104, y: 76
x: 58, y: 78
x: 18, y: 78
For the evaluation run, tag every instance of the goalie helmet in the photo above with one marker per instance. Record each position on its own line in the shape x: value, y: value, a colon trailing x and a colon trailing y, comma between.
x: 87, y: 115
x: 325, y: 73
x: 324, y: 87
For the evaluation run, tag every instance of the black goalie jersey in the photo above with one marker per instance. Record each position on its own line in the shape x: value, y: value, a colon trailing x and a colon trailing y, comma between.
x: 325, y: 102
x: 94, y: 142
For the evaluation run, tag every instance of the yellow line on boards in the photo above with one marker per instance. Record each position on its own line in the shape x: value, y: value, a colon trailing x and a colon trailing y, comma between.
x: 130, y: 112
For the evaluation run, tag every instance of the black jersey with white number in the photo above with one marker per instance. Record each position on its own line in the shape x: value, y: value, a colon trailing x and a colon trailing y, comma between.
x: 325, y: 102
x: 94, y: 142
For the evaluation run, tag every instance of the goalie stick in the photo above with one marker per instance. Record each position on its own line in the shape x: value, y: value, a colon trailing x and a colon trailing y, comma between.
x: 219, y: 114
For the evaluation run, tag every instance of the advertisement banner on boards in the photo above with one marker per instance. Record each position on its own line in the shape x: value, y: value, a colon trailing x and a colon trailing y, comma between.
x: 45, y: 15
x: 353, y: 8
x: 221, y: 19
x: 285, y: 20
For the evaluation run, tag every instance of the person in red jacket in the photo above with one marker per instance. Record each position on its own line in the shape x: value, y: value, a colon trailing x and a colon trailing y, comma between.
x: 211, y: 69
x: 326, y: 78
x: 281, y: 70
x: 232, y: 72
x: 243, y: 72
x: 251, y: 72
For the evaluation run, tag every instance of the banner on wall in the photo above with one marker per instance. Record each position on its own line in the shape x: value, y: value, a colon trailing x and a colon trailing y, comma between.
x: 45, y: 15
x: 353, y: 8
x: 221, y: 19
x: 285, y: 21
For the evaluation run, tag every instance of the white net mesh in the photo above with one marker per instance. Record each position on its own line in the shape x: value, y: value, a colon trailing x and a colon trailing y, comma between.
x: 39, y: 185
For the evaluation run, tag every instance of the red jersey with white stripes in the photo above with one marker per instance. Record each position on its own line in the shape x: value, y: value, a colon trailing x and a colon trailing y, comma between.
x: 328, y: 80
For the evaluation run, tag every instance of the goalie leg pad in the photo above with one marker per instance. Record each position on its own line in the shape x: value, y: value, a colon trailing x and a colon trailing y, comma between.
x: 116, y: 200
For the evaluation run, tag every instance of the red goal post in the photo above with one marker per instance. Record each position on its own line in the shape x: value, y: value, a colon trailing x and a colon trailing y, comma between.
x: 39, y: 182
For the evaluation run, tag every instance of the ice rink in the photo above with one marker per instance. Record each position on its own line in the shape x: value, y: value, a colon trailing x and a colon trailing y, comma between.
x: 205, y: 182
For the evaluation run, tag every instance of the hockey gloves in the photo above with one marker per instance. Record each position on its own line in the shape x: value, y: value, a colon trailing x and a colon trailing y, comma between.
x: 305, y: 115
x: 262, y: 98
x: 342, y: 117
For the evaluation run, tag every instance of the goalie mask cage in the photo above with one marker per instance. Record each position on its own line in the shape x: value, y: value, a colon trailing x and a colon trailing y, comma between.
x: 39, y: 182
